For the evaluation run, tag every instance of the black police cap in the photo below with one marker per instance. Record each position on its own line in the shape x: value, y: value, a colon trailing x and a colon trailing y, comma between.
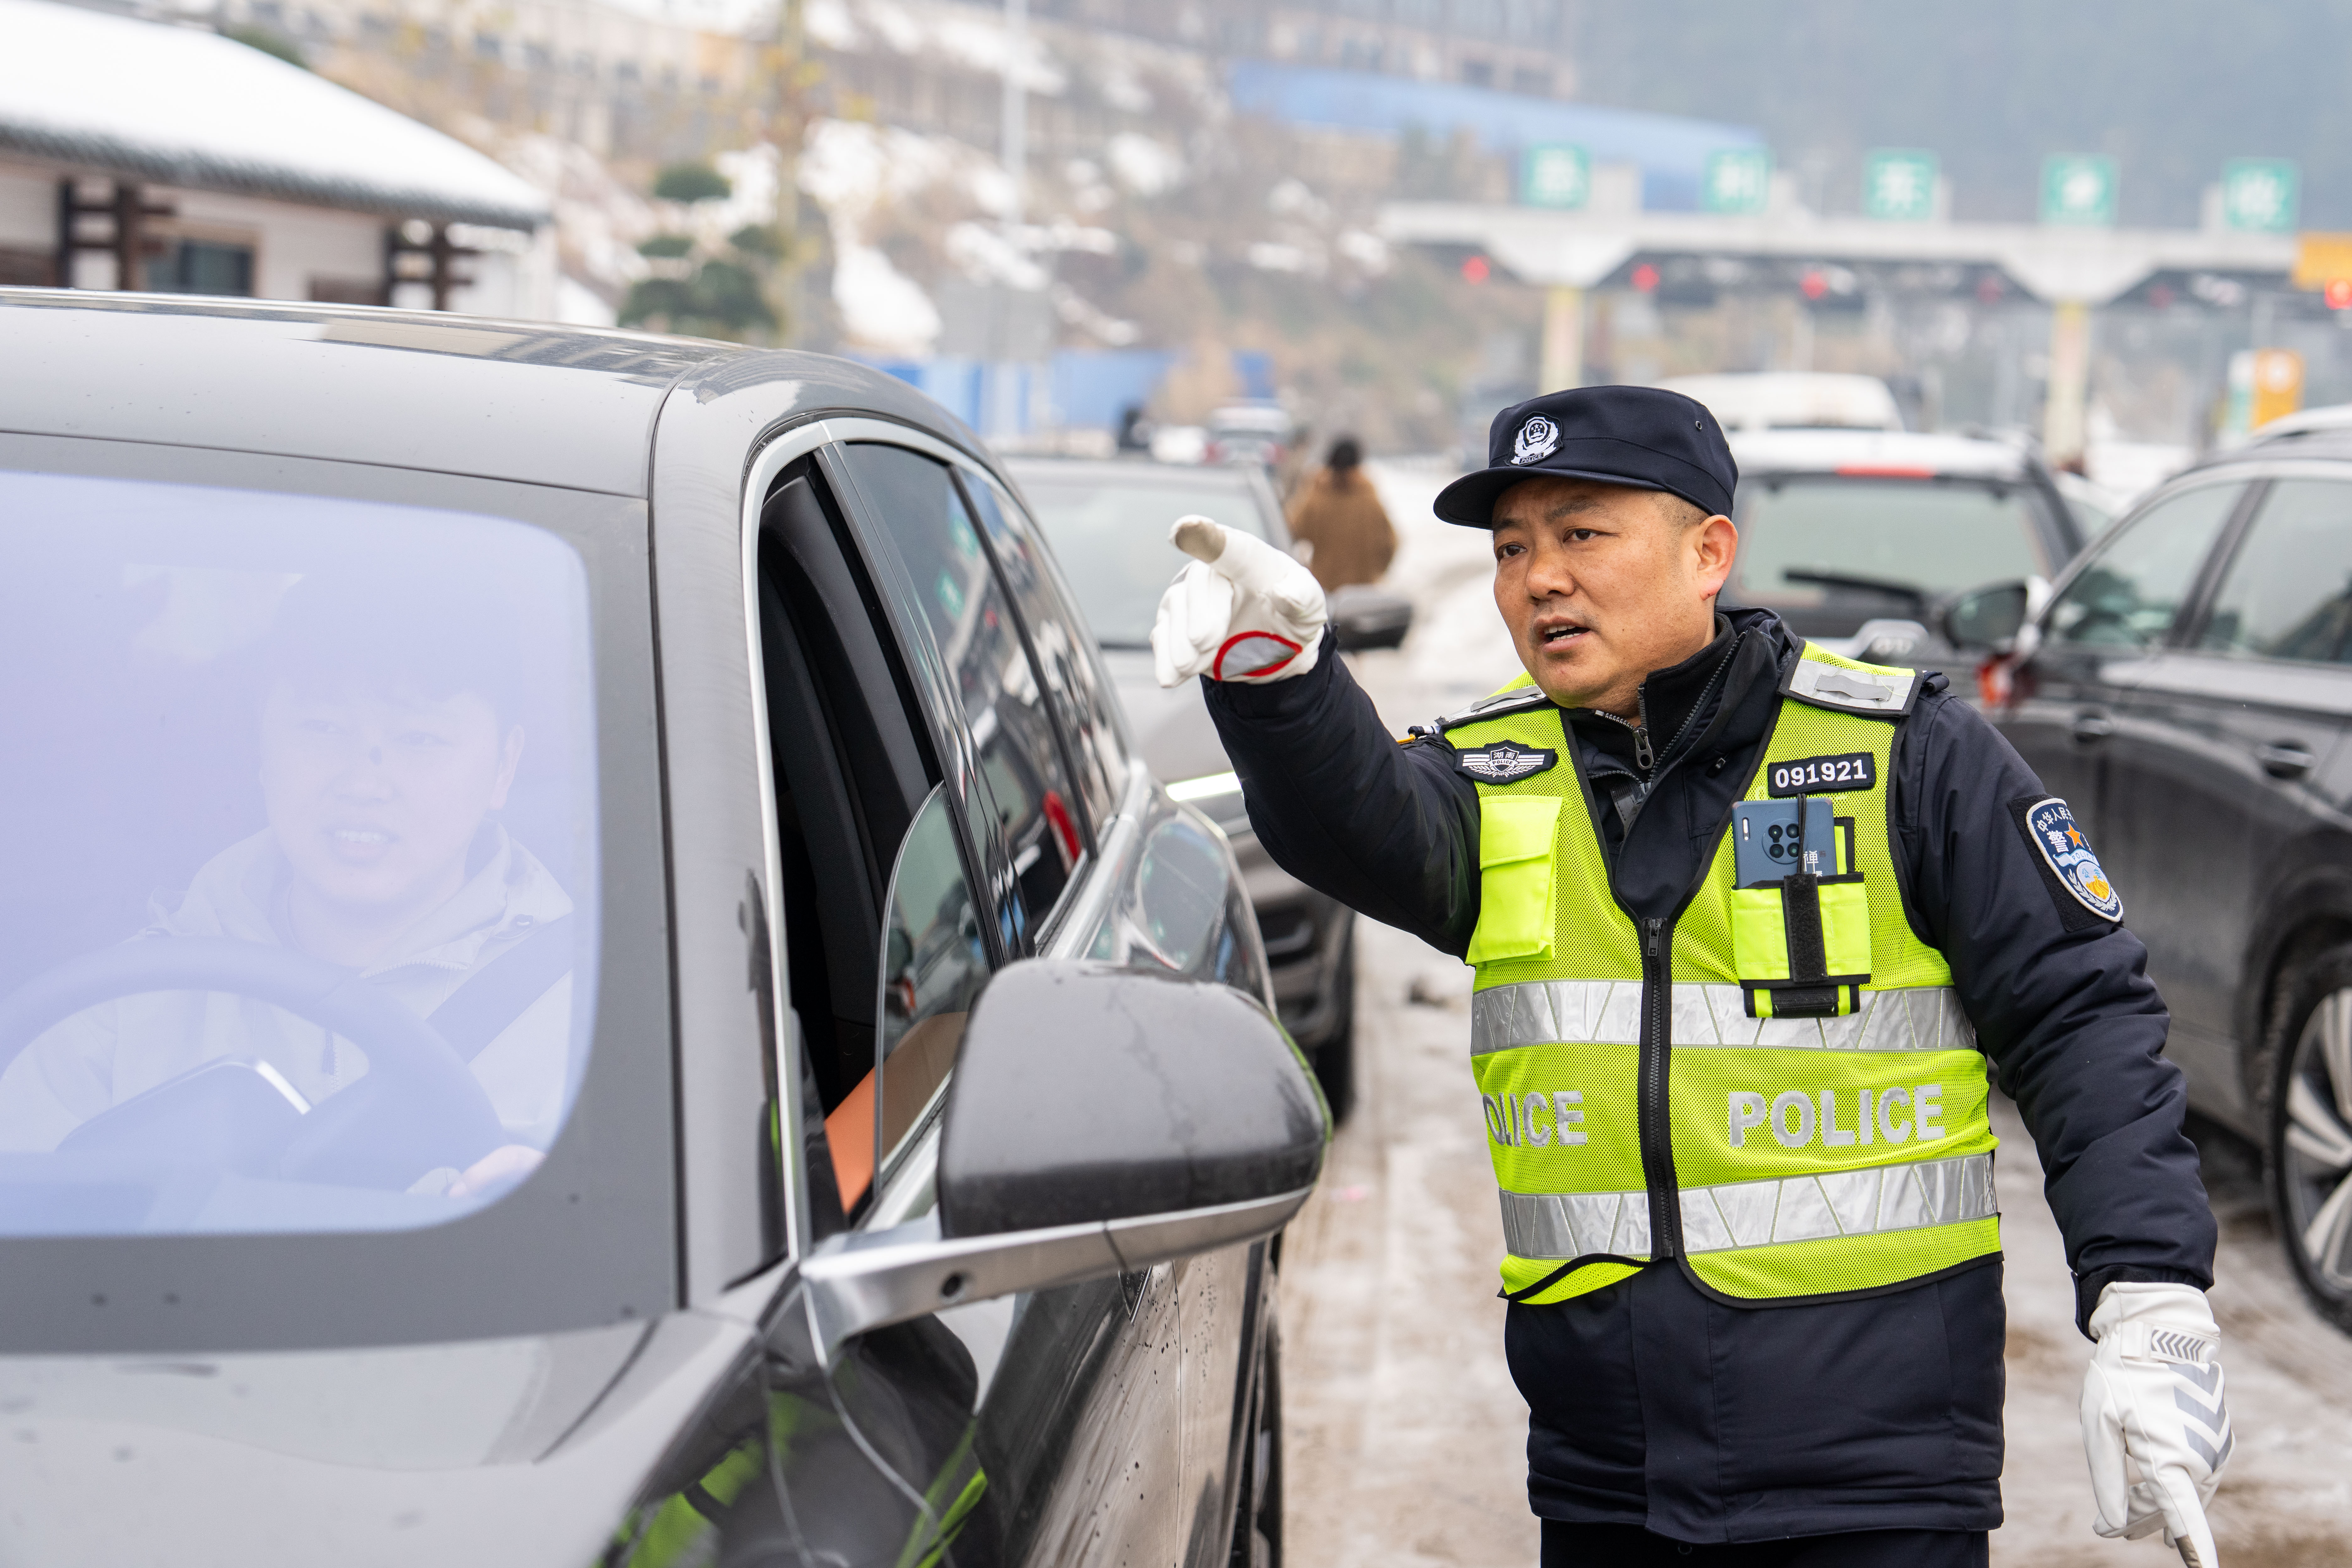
x: 1645, y: 436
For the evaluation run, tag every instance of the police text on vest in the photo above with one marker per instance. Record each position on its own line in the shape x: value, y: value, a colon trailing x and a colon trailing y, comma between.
x: 1897, y: 1114
x: 1534, y: 1120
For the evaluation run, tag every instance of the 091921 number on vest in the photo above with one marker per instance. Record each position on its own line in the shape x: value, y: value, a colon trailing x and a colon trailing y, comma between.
x: 1821, y: 775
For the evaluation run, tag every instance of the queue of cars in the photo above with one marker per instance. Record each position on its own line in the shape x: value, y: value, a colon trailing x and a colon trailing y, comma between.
x: 591, y: 972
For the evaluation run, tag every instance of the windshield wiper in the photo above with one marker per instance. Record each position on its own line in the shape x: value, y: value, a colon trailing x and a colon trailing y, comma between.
x: 1910, y: 591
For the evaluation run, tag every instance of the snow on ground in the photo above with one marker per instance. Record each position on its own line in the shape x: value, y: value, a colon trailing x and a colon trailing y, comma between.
x: 1404, y: 1438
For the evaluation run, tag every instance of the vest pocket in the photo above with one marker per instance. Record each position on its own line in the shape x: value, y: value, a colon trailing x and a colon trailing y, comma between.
x: 1517, y: 877
x: 1801, y: 947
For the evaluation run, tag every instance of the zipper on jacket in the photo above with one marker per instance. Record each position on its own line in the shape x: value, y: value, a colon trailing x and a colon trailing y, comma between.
x: 1657, y: 1146
x: 1645, y: 757
x: 1705, y: 692
x: 1645, y: 754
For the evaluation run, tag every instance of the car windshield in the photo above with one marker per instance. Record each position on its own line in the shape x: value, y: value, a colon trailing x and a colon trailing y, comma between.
x: 1110, y: 534
x: 297, y: 890
x: 1830, y: 553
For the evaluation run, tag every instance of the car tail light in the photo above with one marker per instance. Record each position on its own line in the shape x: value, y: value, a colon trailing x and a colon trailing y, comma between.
x: 2000, y: 683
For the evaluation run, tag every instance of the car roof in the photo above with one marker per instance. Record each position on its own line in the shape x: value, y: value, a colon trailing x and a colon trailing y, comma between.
x: 1793, y: 400
x: 2320, y: 442
x: 2328, y: 418
x: 1259, y: 415
x: 1113, y: 470
x: 1890, y: 452
x: 527, y: 401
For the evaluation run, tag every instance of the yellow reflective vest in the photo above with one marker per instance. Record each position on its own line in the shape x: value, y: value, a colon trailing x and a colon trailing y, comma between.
x: 1777, y: 1085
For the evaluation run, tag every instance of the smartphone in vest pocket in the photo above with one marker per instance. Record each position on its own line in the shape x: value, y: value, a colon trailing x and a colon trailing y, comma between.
x: 1767, y: 848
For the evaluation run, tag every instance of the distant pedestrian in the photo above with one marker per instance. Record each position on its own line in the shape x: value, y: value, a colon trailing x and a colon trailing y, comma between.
x: 1135, y: 429
x: 1339, y: 518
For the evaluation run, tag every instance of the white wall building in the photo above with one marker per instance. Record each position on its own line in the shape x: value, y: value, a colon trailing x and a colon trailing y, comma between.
x: 148, y: 155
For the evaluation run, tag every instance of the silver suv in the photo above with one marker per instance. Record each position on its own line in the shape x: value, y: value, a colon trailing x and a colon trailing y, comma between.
x: 1856, y: 538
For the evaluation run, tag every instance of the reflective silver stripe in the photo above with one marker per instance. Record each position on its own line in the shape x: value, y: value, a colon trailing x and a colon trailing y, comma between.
x: 1754, y: 1214
x: 1855, y: 690
x: 1609, y: 1012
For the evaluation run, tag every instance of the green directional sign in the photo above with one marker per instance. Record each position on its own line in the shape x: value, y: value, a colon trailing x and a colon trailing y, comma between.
x: 2079, y: 190
x: 1899, y: 185
x: 1555, y: 175
x: 2261, y: 196
x: 1738, y: 180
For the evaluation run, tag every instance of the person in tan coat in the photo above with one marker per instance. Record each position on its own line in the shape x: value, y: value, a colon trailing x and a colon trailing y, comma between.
x: 1339, y: 517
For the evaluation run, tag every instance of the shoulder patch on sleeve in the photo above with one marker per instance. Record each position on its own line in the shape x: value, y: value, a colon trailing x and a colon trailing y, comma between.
x: 2070, y: 867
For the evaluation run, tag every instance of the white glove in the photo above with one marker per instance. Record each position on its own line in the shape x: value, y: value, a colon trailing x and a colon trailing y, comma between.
x: 1241, y: 611
x: 2153, y: 1394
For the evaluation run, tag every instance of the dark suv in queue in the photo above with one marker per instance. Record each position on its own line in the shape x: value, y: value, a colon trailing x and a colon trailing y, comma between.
x: 2187, y: 687
x: 589, y: 974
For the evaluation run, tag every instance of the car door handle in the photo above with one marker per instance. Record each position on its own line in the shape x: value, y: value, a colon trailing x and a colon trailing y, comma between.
x: 2093, y: 726
x: 2285, y: 760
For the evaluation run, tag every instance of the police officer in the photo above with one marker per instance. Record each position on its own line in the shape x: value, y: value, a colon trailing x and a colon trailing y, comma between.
x: 1750, y: 919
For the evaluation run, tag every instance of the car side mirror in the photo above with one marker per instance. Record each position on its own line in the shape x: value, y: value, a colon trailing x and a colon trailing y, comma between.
x: 1986, y: 620
x: 1369, y: 617
x: 1100, y: 1120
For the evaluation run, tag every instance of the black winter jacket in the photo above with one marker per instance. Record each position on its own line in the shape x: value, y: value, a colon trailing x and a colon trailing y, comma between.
x: 1650, y: 1402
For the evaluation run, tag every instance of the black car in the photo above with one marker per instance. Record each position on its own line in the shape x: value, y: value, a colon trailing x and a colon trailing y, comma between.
x: 588, y: 974
x: 1109, y: 523
x: 2188, y: 690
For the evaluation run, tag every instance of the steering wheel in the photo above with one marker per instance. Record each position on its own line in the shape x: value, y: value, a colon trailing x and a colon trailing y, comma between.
x: 419, y: 1106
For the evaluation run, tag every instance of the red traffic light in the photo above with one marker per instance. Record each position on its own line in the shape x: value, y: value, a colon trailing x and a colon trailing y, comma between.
x: 1645, y: 279
x: 1475, y: 270
x: 1814, y: 285
x: 2340, y: 293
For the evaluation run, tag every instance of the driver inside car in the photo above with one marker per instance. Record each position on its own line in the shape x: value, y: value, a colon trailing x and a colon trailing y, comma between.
x: 390, y: 737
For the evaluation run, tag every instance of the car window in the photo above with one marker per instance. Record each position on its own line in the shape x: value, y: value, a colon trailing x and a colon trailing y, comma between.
x: 1880, y: 546
x: 1081, y: 696
x: 917, y: 504
x: 852, y: 775
x: 2288, y: 591
x: 2129, y: 594
x: 298, y: 814
x: 1110, y: 534
x: 2092, y: 518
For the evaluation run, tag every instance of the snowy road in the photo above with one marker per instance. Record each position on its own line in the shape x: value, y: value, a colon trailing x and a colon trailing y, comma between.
x: 1405, y: 1438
